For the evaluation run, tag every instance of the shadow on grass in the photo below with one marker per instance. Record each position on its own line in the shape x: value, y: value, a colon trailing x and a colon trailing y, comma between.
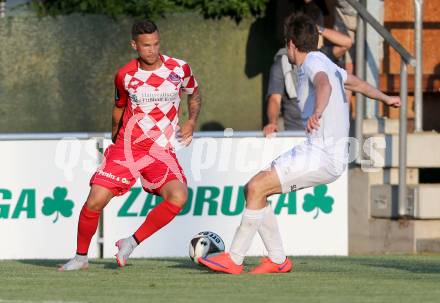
x: 43, y: 263
x: 411, y: 264
x: 107, y: 264
x: 177, y: 263
x: 181, y: 263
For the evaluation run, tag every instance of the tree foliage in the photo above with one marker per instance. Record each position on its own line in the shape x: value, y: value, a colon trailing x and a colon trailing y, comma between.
x: 236, y: 9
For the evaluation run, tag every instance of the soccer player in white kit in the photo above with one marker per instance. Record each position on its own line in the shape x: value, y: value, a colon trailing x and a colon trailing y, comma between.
x: 321, y: 159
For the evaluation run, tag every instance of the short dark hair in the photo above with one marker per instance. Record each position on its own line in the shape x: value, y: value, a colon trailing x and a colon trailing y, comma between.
x: 302, y: 30
x: 143, y: 27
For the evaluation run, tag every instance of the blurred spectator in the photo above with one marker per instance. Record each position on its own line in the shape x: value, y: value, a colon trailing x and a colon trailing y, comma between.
x: 333, y: 43
x: 282, y: 80
x: 282, y: 96
x: 346, y: 22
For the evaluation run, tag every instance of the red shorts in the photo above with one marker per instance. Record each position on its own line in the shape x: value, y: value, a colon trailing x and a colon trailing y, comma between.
x: 122, y: 165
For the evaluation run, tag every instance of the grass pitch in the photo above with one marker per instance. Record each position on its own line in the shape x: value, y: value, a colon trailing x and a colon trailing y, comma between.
x: 314, y: 279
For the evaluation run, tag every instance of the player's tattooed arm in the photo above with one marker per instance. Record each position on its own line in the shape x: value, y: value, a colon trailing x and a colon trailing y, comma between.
x: 194, y: 105
x: 355, y: 84
x: 116, y: 121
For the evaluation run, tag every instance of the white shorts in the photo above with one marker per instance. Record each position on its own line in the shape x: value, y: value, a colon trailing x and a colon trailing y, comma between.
x: 306, y: 165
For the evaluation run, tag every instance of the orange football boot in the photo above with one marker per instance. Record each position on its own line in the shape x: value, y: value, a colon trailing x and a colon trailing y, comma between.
x: 268, y: 267
x: 222, y: 263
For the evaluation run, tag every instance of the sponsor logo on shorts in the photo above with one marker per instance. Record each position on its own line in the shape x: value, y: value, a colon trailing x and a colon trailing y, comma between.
x: 113, y: 177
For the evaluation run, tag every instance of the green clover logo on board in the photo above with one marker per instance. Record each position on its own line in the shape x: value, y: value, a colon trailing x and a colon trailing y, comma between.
x: 318, y: 201
x: 58, y: 204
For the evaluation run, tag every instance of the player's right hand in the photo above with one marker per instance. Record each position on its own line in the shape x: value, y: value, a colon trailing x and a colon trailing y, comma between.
x: 184, y: 134
x: 313, y: 122
x: 269, y: 129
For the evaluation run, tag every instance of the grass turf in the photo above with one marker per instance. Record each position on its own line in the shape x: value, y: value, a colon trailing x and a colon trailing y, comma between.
x: 314, y: 279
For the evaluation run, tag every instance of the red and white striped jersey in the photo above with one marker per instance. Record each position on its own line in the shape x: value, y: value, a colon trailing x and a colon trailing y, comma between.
x: 151, y: 100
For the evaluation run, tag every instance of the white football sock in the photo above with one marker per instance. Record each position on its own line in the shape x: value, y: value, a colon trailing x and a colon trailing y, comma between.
x: 271, y: 236
x: 250, y: 222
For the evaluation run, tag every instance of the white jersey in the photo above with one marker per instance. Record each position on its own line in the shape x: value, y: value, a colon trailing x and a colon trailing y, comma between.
x: 332, y: 134
x: 323, y: 157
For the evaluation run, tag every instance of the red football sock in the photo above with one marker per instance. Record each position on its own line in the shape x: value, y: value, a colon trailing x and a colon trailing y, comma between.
x: 160, y: 216
x: 87, y: 224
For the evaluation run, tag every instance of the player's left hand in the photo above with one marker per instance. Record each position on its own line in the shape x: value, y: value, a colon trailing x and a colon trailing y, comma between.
x: 313, y: 122
x: 185, y: 133
x: 393, y: 101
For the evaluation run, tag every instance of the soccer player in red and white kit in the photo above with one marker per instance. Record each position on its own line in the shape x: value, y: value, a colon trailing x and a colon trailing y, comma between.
x: 145, y: 125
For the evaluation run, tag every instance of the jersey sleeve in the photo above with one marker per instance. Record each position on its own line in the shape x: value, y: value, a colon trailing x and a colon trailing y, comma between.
x: 121, y: 95
x: 189, y: 84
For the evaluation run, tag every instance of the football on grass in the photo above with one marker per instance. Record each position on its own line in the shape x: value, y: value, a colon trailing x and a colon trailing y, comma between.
x: 205, y: 243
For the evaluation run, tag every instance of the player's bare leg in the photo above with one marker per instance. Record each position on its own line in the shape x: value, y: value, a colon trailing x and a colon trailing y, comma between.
x: 98, y: 198
x: 175, y: 194
x: 262, y: 185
